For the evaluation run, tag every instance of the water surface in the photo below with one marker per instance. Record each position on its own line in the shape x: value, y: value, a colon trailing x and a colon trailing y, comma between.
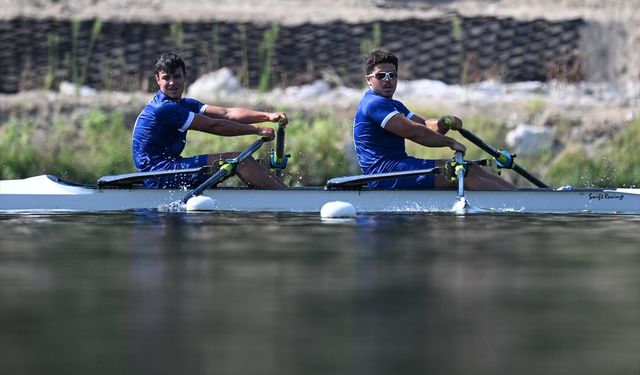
x: 175, y: 293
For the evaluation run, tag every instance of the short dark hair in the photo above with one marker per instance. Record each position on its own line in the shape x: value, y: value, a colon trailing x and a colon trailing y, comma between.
x: 169, y: 62
x: 377, y: 57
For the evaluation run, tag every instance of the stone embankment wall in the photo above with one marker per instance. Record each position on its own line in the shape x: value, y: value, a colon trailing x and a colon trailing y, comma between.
x: 112, y: 55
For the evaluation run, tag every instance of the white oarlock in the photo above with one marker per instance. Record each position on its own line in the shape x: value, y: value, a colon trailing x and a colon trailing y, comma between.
x: 337, y: 209
x: 201, y: 203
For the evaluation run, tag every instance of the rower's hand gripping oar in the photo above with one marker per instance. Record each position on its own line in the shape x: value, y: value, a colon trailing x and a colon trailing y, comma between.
x: 278, y: 157
x: 226, y: 169
x: 503, y: 158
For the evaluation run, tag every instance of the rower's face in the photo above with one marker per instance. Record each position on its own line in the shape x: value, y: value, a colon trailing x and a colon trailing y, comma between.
x: 382, y: 83
x: 172, y: 85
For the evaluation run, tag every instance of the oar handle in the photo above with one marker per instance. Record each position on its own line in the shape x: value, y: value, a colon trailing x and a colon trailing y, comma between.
x: 280, y: 140
x: 500, y: 157
x: 278, y: 157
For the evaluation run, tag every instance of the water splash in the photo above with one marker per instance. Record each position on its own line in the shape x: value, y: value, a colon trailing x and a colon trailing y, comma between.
x: 176, y: 206
x: 461, y: 206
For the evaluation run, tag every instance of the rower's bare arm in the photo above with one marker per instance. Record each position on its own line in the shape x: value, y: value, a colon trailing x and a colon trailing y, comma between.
x: 423, y: 135
x: 439, y: 124
x: 229, y: 128
x: 244, y: 115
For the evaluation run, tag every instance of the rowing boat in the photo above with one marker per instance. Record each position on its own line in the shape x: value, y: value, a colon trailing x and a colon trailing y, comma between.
x: 126, y: 192
x: 50, y: 193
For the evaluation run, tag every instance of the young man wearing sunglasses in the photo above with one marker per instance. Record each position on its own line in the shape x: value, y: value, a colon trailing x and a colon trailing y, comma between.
x: 382, y: 124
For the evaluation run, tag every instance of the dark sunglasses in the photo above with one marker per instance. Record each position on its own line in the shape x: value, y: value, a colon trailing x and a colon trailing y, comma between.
x: 384, y: 75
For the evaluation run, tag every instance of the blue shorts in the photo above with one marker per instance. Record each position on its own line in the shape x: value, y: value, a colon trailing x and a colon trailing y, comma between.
x: 410, y: 163
x: 175, y: 182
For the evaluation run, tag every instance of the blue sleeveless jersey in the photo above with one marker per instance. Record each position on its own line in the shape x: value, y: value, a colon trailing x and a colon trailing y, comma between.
x: 159, y: 137
x: 160, y: 131
x: 375, y: 146
x: 379, y: 150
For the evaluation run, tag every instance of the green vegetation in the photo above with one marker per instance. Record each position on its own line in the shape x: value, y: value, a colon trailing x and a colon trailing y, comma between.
x: 243, y: 75
x: 615, y: 165
x: 321, y: 148
x: 75, y: 32
x: 624, y: 157
x: 535, y: 106
x: 266, y: 56
x: 177, y: 35
x: 19, y: 156
x: 320, y: 145
x: 457, y: 33
x: 215, y: 49
x: 574, y: 167
x: 97, y: 146
x: 368, y: 45
x: 457, y: 29
x: 122, y: 62
x: 105, y: 74
x: 52, y: 66
x: 101, y: 144
x: 95, y: 32
x: 78, y: 68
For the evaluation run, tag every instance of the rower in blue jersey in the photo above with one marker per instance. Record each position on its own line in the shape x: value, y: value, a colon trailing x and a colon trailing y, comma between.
x: 160, y: 132
x: 382, y: 124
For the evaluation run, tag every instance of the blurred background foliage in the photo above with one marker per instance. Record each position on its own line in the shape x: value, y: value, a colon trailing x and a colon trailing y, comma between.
x: 320, y: 145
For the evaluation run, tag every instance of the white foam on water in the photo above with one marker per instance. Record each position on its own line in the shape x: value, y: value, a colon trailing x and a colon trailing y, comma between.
x: 176, y: 206
x: 461, y: 206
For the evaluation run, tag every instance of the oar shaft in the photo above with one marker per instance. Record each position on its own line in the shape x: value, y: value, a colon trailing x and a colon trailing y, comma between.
x: 499, y: 156
x: 225, y: 170
x: 279, y: 152
x: 479, y: 142
x: 216, y: 177
x: 529, y: 177
x: 460, y: 173
x: 280, y: 143
x: 249, y: 150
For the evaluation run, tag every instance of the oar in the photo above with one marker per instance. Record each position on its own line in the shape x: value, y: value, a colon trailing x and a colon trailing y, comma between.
x: 225, y: 170
x: 461, y: 204
x: 278, y: 158
x: 504, y: 159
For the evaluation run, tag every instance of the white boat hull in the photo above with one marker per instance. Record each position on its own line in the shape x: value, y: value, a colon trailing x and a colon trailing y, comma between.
x: 44, y: 193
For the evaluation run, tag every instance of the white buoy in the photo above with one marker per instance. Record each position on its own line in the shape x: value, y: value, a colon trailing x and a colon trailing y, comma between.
x: 201, y: 203
x: 337, y: 209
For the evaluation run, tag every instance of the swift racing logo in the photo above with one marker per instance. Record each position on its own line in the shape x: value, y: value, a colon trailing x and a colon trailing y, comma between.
x: 605, y: 196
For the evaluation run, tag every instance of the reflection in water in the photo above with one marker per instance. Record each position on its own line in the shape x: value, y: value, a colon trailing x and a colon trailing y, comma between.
x: 293, y: 294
